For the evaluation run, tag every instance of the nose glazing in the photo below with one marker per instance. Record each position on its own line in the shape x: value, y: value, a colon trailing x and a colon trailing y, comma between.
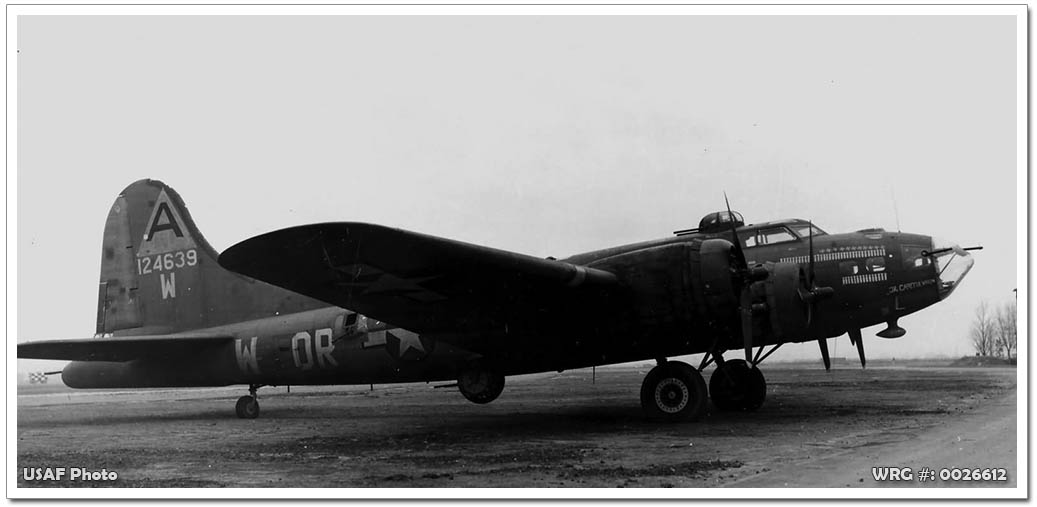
x: 952, y: 264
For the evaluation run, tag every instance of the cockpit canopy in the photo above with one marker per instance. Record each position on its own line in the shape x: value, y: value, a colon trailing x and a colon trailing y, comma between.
x: 769, y: 233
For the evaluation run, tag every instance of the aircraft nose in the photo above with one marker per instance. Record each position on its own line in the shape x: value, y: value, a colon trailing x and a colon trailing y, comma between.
x: 952, y: 264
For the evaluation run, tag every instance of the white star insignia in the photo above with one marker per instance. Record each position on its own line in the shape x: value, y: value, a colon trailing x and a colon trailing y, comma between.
x: 409, y: 341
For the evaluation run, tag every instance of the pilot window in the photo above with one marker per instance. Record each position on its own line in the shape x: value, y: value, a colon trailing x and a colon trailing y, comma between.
x: 913, y: 257
x: 767, y: 236
x: 875, y: 264
x: 849, y: 268
x: 774, y: 235
x: 804, y: 230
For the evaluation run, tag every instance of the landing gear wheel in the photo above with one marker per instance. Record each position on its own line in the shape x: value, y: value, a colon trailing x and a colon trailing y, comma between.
x: 674, y: 391
x: 247, y: 407
x: 736, y: 386
x: 480, y: 386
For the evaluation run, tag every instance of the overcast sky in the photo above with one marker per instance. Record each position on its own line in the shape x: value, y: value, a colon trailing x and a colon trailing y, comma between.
x: 541, y: 135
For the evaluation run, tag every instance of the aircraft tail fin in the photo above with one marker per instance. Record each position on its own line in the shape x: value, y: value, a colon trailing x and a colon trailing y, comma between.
x: 160, y: 275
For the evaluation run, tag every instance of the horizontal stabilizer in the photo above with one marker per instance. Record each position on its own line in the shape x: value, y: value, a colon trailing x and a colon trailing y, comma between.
x: 120, y: 348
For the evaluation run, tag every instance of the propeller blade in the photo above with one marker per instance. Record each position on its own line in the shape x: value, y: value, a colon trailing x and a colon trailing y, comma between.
x: 855, y: 338
x: 810, y: 271
x: 811, y: 293
x: 745, y: 276
x: 823, y: 343
x: 806, y: 294
x: 734, y: 234
x: 746, y: 311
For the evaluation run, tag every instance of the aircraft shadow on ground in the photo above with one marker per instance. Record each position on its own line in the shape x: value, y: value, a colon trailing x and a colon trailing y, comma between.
x: 527, y: 417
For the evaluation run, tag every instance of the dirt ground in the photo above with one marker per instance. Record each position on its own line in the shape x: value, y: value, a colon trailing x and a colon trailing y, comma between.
x: 816, y: 429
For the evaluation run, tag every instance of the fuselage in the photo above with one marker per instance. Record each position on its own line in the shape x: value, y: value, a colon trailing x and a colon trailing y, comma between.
x: 877, y: 277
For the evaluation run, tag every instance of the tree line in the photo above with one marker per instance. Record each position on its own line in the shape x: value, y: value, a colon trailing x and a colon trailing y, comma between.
x: 993, y: 330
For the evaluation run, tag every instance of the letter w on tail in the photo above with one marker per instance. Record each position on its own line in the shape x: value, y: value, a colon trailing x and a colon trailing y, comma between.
x: 168, y: 285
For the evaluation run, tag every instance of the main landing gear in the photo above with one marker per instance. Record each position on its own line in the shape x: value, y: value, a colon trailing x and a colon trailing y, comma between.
x: 480, y: 385
x: 736, y: 386
x: 248, y: 406
x: 674, y: 391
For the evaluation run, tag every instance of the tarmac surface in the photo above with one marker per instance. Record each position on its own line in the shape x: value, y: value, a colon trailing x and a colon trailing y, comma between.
x: 816, y: 429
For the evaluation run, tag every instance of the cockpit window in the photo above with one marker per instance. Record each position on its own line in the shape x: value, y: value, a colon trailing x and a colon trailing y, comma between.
x: 913, y: 257
x: 774, y: 235
x: 766, y: 236
x: 803, y: 230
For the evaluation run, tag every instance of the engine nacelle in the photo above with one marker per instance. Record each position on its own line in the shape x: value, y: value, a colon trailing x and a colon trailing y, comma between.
x: 682, y: 290
x: 787, y: 311
x: 719, y: 262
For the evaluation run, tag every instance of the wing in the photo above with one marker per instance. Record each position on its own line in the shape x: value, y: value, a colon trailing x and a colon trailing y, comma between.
x: 419, y: 282
x: 119, y: 348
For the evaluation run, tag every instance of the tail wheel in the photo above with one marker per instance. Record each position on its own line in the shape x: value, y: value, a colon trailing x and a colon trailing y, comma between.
x: 480, y: 386
x: 674, y: 391
x: 247, y: 407
x: 736, y: 386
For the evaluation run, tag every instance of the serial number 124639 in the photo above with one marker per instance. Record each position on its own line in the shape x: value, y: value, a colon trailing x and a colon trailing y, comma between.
x: 166, y: 262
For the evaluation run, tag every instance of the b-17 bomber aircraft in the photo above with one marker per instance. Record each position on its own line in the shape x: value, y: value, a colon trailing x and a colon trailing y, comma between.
x: 355, y: 303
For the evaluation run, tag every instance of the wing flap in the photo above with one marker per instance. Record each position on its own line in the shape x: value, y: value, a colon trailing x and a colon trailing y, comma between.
x: 119, y: 348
